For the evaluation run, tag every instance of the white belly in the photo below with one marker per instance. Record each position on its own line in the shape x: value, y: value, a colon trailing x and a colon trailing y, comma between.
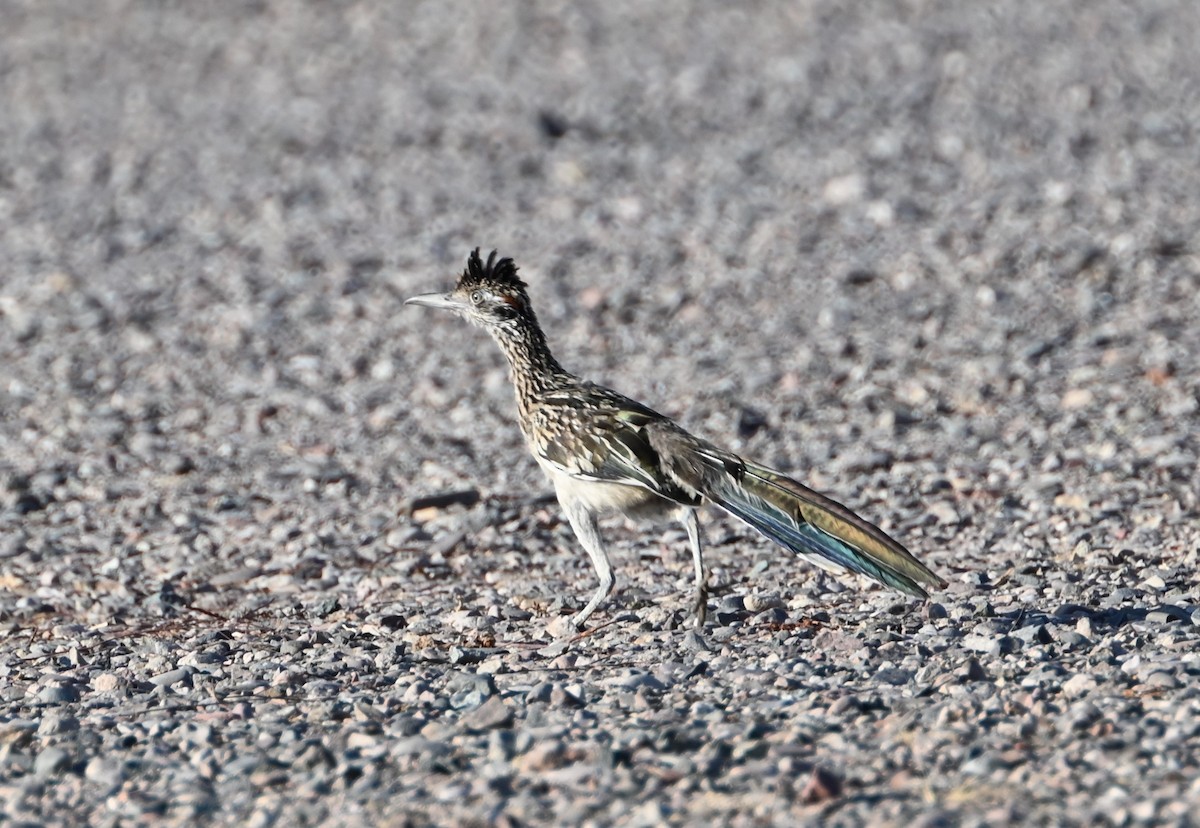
x: 603, y: 498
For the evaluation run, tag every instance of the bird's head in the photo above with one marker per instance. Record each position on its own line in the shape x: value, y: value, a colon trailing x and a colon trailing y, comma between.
x: 489, y: 295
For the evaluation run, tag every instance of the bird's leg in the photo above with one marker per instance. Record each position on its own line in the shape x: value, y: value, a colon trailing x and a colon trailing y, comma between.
x: 701, y: 598
x: 583, y: 521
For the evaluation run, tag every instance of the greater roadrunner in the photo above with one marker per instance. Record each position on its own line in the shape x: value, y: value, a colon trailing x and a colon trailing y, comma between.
x: 607, y: 453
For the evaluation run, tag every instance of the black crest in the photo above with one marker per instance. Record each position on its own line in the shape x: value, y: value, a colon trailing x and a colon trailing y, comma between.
x: 502, y: 272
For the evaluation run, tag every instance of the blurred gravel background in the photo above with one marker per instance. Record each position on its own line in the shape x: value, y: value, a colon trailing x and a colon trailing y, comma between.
x: 271, y: 549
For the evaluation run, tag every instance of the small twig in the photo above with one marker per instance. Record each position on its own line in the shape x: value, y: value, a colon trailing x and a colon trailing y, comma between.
x: 589, y: 633
x: 209, y: 613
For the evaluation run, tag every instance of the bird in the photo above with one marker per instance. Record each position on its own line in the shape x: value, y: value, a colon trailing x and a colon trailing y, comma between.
x: 606, y: 453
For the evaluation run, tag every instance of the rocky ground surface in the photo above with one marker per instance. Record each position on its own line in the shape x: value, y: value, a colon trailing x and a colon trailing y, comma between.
x: 271, y: 551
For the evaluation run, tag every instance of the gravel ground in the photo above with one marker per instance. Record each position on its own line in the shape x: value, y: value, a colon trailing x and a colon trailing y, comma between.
x: 271, y: 550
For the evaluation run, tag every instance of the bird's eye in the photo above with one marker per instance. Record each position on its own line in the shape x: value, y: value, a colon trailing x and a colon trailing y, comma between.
x: 477, y: 297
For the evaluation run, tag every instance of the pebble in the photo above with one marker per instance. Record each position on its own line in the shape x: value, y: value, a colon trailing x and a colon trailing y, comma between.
x: 1079, y: 684
x: 1168, y: 613
x: 1034, y: 634
x: 361, y: 741
x: 493, y: 713
x: 1161, y: 680
x: 109, y: 683
x: 944, y: 512
x: 54, y: 724
x: 1070, y: 639
x: 105, y: 771
x: 973, y: 671
x: 822, y: 786
x: 759, y: 603
x: 894, y: 676
x: 542, y: 756
x: 58, y: 694
x: 171, y: 677
x: 988, y: 645
x: 51, y: 762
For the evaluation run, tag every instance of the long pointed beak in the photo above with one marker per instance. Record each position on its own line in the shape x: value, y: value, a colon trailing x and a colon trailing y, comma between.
x: 435, y: 300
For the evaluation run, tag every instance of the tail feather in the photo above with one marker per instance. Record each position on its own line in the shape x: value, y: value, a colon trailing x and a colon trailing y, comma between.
x: 820, y: 529
x: 811, y: 525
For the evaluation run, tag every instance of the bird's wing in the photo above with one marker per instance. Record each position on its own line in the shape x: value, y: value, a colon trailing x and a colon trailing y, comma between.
x: 604, y: 439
